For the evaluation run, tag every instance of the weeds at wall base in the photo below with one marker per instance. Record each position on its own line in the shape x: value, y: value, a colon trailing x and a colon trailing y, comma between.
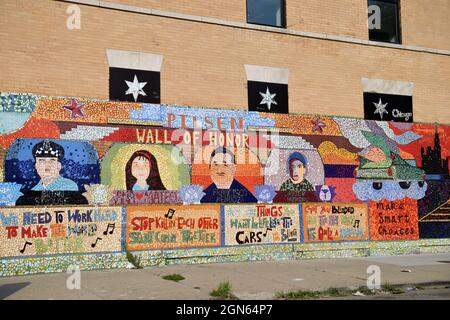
x: 223, y: 292
x: 136, y: 262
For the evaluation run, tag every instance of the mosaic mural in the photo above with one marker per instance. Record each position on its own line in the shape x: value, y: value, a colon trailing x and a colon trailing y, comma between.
x: 261, y: 224
x: 157, y: 227
x: 335, y: 222
x: 187, y: 177
x: 55, y: 230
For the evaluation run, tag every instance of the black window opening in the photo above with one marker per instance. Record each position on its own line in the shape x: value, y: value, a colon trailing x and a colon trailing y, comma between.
x: 134, y: 85
x: 389, y: 27
x: 266, y: 12
x: 267, y: 97
x: 388, y: 107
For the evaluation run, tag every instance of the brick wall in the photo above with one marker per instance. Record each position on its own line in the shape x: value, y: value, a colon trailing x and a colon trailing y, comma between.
x: 426, y: 23
x: 423, y: 22
x: 203, y: 63
x: 342, y: 17
x: 228, y: 10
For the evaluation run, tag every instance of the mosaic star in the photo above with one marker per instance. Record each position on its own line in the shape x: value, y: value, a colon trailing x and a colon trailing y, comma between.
x: 318, y: 125
x: 268, y: 98
x: 135, y: 88
x: 380, y: 108
x: 75, y: 109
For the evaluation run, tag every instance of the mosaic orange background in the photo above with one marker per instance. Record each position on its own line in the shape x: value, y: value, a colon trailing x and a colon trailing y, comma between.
x: 248, y: 174
x: 409, y: 210
x: 312, y: 211
x: 181, y: 215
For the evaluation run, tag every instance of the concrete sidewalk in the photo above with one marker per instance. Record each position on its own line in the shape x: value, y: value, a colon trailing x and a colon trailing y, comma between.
x: 251, y: 280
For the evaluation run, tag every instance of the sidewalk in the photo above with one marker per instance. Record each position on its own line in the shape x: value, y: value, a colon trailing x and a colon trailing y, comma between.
x: 251, y: 280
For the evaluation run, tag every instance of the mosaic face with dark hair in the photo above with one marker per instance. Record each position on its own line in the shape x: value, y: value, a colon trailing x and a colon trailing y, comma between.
x: 225, y: 188
x: 222, y: 168
x: 141, y: 172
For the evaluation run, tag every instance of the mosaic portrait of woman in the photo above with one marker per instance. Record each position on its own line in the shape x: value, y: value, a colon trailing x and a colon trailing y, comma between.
x: 141, y: 172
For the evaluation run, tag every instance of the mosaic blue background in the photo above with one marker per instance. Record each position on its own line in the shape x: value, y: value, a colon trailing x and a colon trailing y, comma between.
x: 80, y: 163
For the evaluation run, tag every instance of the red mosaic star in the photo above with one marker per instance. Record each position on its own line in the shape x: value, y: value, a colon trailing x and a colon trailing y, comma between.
x: 75, y: 109
x: 318, y: 125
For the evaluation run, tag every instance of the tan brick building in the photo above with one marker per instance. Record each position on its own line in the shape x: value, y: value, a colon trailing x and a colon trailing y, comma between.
x: 205, y: 46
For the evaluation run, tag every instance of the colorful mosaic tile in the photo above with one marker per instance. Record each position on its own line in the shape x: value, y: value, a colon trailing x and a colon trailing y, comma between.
x: 83, y: 181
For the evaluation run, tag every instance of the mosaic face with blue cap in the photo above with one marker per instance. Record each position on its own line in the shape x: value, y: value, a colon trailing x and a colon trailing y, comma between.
x: 48, y: 156
x: 297, y: 166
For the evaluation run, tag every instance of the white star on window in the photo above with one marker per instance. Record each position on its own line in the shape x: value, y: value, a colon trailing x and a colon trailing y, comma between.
x: 135, y: 88
x: 380, y: 108
x: 268, y: 98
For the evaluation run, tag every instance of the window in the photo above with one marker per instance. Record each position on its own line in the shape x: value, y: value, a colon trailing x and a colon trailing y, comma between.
x: 387, y: 21
x: 134, y: 85
x: 388, y: 100
x: 267, y: 97
x: 134, y: 76
x: 266, y: 12
x: 267, y: 89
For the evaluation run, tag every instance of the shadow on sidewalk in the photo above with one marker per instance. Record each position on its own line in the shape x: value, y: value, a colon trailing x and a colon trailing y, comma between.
x: 8, y: 289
